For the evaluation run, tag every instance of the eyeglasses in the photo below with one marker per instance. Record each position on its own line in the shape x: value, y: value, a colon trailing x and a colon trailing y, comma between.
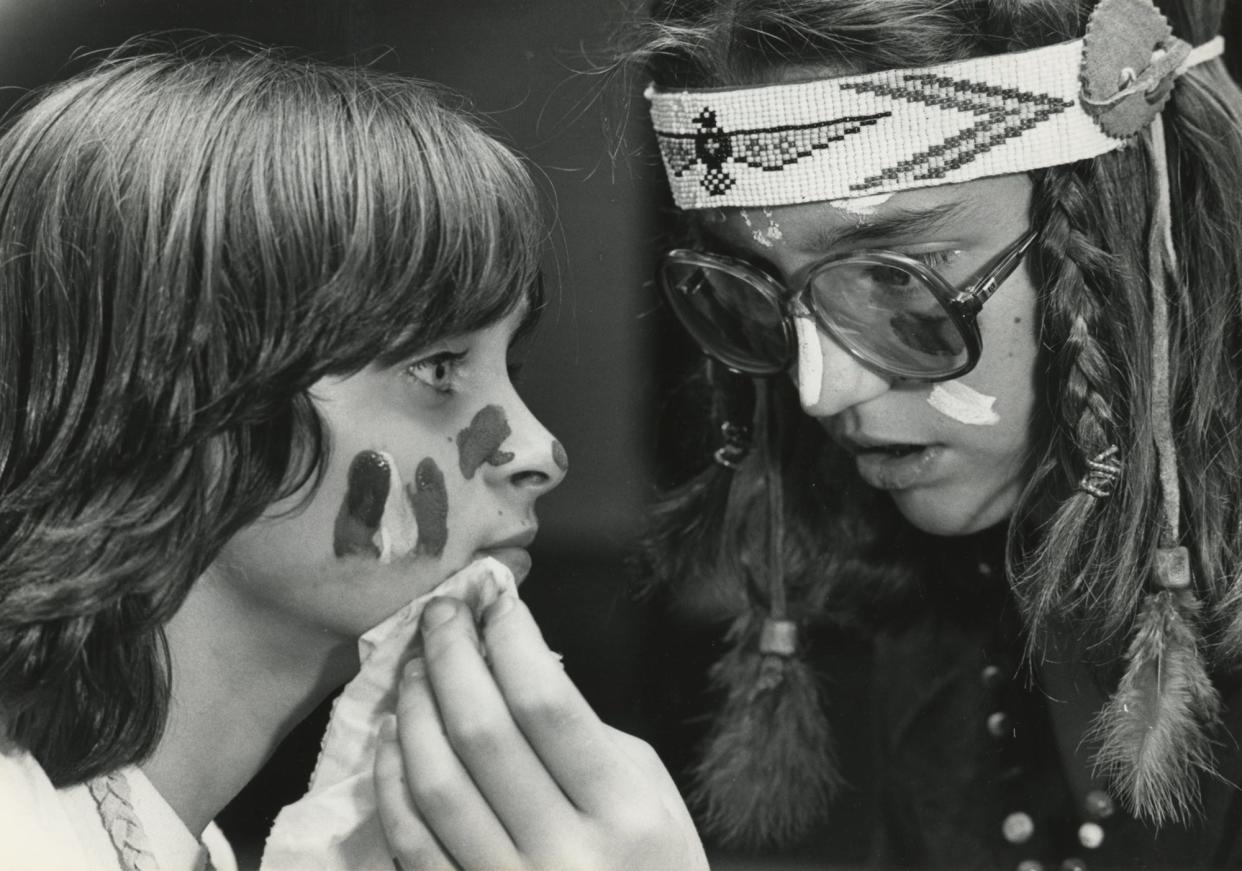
x: 892, y: 312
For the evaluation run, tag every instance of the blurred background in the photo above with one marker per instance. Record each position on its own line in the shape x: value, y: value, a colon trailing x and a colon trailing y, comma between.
x: 598, y: 374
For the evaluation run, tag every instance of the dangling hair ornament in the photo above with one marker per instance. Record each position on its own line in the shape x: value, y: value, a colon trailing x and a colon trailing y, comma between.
x: 1153, y: 731
x: 736, y: 445
x: 767, y: 771
x: 1102, y: 472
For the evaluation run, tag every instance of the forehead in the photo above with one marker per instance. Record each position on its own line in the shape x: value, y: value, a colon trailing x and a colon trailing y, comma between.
x: 965, y: 212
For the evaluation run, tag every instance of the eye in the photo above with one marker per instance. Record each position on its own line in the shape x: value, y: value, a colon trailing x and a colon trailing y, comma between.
x: 438, y: 372
x: 890, y: 277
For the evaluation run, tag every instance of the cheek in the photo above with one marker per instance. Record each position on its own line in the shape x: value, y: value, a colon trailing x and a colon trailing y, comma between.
x: 1007, y: 368
x: 381, y: 518
x: 961, y: 402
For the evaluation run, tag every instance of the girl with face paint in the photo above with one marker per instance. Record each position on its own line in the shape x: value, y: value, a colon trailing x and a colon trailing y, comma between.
x: 988, y: 376
x: 257, y: 321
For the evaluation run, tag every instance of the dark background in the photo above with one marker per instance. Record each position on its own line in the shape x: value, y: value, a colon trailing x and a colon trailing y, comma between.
x: 601, y: 367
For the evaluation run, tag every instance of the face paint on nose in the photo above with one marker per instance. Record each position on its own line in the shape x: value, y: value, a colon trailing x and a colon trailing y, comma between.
x: 962, y: 403
x: 559, y: 456
x: 810, y: 362
x: 363, y: 507
x: 480, y: 442
x: 429, y: 499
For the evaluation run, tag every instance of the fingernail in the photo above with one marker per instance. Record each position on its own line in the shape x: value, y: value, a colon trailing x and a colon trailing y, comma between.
x: 438, y: 612
x: 388, y: 728
x: 414, y: 669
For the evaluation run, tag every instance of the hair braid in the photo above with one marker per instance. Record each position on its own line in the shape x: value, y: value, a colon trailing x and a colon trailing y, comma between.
x: 1088, y: 306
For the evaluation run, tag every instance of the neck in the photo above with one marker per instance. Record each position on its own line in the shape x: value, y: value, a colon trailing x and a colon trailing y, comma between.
x: 242, y: 677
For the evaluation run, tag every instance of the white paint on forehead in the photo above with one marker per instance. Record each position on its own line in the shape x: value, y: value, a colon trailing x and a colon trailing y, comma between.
x: 398, y: 532
x: 962, y: 403
x: 810, y: 362
x: 765, y: 236
x: 861, y: 205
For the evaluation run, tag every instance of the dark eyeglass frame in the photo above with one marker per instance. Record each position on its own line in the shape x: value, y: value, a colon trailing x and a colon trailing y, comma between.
x: 962, y: 306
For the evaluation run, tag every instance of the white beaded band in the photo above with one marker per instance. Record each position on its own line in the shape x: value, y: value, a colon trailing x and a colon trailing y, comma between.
x: 898, y: 129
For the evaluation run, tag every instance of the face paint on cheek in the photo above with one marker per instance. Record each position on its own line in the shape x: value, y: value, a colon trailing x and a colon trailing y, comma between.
x: 962, y: 403
x: 810, y: 362
x: 559, y: 456
x: 429, y: 499
x: 480, y: 442
x: 363, y: 506
x: 398, y: 533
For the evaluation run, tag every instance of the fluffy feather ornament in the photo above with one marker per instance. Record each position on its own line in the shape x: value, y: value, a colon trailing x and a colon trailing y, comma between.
x: 1152, y: 742
x: 1153, y: 731
x: 768, y: 770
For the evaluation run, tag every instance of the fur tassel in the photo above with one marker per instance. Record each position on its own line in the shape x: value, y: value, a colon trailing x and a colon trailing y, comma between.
x: 768, y: 769
x: 1152, y: 732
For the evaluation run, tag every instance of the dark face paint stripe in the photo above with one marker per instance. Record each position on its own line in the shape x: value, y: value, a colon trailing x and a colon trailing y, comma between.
x: 363, y: 506
x: 499, y: 458
x: 480, y: 442
x: 429, y: 499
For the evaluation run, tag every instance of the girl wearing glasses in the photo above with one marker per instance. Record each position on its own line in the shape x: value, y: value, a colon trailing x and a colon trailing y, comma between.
x: 967, y: 278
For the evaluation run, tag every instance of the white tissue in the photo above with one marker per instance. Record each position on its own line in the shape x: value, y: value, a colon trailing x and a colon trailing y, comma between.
x: 335, y: 826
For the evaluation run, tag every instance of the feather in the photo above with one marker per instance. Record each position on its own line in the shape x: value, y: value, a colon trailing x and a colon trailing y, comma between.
x: 1152, y: 732
x: 768, y: 770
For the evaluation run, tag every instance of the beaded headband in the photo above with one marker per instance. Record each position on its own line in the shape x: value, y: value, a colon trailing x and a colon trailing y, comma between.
x: 899, y: 129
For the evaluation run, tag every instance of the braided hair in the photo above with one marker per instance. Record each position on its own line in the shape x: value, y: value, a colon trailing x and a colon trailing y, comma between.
x: 1073, y: 558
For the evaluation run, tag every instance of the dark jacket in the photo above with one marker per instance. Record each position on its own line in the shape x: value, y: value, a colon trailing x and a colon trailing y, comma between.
x: 979, y: 759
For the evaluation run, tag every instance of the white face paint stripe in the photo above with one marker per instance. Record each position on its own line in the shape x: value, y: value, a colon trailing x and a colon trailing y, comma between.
x: 398, y: 532
x: 810, y: 362
x: 962, y: 403
x: 860, y: 205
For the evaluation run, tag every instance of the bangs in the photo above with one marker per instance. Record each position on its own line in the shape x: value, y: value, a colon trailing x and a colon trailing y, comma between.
x: 309, y: 219
x: 384, y: 218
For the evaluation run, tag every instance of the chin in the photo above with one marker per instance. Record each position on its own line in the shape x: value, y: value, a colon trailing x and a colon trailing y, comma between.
x: 950, y: 514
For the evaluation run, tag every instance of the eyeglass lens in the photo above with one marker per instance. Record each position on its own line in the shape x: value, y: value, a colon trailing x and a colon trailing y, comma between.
x: 882, y: 311
x: 889, y: 316
x: 730, y: 316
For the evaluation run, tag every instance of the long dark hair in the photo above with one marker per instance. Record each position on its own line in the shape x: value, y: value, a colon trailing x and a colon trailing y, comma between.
x: 188, y: 241
x: 1070, y: 554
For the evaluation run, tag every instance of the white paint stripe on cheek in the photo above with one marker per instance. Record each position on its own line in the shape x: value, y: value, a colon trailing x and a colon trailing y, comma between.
x: 962, y: 403
x: 398, y: 532
x: 810, y: 362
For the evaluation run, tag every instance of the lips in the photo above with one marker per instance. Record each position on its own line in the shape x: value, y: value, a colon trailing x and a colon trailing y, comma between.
x: 892, y: 464
x: 512, y: 552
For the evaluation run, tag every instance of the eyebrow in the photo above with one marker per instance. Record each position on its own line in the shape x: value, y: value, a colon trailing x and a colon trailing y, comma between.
x: 905, y: 222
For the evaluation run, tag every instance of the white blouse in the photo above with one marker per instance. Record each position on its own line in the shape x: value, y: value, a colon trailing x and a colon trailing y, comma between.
x: 42, y: 827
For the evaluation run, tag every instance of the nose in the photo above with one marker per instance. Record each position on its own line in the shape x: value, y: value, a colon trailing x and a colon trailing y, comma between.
x: 829, y: 378
x: 535, y: 461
